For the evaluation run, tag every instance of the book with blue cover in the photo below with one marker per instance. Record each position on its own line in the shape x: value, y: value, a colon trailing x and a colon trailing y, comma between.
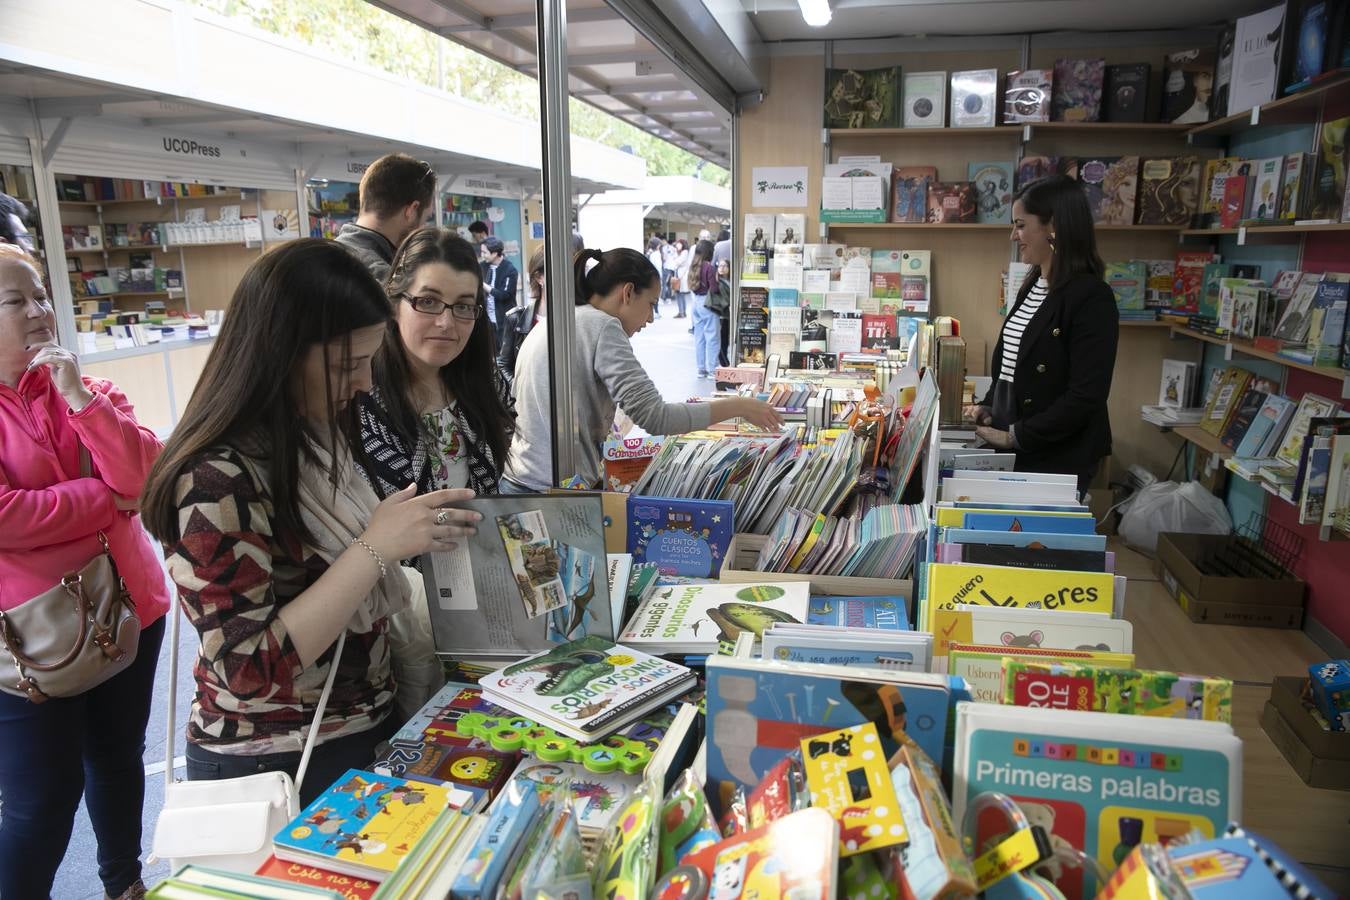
x: 859, y: 612
x: 681, y: 537
x: 760, y: 710
x: 1030, y: 522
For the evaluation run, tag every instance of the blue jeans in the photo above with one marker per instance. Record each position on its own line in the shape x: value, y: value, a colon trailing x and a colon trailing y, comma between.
x: 707, y: 335
x: 328, y: 762
x: 54, y: 752
x: 506, y: 486
x: 681, y: 299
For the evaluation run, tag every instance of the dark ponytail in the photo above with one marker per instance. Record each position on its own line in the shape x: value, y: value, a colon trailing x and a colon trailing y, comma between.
x: 612, y: 269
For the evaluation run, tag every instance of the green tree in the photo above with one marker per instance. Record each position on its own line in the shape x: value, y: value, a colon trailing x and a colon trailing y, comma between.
x: 354, y: 30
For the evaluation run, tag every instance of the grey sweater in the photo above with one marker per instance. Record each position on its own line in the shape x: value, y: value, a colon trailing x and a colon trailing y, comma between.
x: 605, y: 375
x: 371, y: 247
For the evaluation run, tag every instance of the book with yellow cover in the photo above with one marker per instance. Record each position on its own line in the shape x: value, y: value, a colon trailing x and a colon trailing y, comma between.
x: 854, y: 785
x: 1220, y: 406
x: 951, y: 583
x: 981, y: 665
x: 1074, y: 685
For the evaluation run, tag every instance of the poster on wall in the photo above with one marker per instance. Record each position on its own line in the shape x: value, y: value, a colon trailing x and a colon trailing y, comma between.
x: 778, y: 186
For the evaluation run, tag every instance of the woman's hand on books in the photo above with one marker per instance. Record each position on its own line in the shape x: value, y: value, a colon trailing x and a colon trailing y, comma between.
x: 980, y: 415
x: 758, y: 413
x: 406, y: 525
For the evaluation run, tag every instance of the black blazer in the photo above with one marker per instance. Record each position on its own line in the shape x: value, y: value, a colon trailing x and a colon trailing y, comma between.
x: 504, y: 294
x: 1063, y: 378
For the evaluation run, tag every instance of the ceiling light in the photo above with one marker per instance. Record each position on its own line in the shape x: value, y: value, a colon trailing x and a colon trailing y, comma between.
x: 816, y: 13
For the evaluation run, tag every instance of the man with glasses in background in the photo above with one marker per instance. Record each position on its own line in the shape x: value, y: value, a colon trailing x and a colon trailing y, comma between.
x: 396, y: 196
x: 499, y: 286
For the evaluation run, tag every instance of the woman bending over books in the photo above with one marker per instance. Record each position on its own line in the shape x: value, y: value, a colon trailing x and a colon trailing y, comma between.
x: 1057, y: 349
x: 276, y: 544
x: 616, y: 292
x: 74, y: 462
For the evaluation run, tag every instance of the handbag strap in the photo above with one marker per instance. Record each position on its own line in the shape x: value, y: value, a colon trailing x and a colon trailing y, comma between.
x: 310, y: 740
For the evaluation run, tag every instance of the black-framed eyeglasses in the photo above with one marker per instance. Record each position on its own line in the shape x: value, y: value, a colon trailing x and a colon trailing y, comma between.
x: 434, y: 306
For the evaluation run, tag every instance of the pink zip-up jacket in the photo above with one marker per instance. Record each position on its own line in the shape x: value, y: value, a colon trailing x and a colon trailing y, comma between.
x: 50, y: 517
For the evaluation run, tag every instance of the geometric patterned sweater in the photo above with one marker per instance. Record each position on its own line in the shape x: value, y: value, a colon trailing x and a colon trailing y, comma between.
x: 233, y: 576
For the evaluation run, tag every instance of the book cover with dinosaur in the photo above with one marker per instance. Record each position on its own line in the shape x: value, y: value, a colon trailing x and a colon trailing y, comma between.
x: 586, y: 689
x: 701, y: 618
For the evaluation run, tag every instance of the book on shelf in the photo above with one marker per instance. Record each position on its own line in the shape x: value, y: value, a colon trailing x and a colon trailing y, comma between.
x: 1077, y: 90
x: 1223, y: 71
x: 364, y: 823
x: 789, y: 228
x: 681, y: 537
x: 1216, y: 174
x: 1256, y: 59
x: 1326, y: 324
x: 1125, y: 92
x: 1263, y: 436
x: 1295, y: 185
x: 1025, y: 557
x: 1127, y: 281
x: 951, y: 202
x: 1223, y: 402
x: 1159, y: 286
x: 698, y: 618
x: 532, y: 576
x: 1179, y: 378
x: 1336, y: 506
x: 589, y: 688
x: 1111, y: 184
x: 1026, y: 96
x: 1079, y: 592
x: 1310, y: 407
x: 1188, y: 79
x: 346, y: 886
x: 1296, y: 319
x: 1086, y: 688
x: 1099, y: 780
x: 974, y: 98
x: 925, y: 99
x: 1264, y: 208
x: 981, y: 665
x: 902, y: 650
x: 993, y: 183
x: 1310, y: 48
x: 1238, y: 191
x: 863, y: 98
x: 1168, y: 190
x: 1170, y: 417
x: 909, y: 192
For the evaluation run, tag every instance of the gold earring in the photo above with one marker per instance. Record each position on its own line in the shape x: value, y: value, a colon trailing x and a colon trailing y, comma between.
x: 1052, y: 243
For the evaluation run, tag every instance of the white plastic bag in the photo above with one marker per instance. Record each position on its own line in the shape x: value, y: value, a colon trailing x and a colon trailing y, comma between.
x: 1172, y: 506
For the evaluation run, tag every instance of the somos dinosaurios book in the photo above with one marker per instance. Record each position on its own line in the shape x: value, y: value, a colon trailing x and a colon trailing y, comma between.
x: 699, y: 618
x: 586, y: 689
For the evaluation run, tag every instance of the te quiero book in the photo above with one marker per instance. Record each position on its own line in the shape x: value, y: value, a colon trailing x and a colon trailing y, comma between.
x: 1097, y: 781
x: 681, y: 537
x: 1005, y: 586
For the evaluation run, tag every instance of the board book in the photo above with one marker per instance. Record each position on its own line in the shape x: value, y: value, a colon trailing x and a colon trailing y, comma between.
x: 1168, y: 695
x: 1027, y: 557
x: 986, y: 519
x: 854, y: 786
x: 1083, y: 776
x: 796, y: 856
x: 682, y: 537
x: 889, y: 613
x: 1035, y: 539
x: 349, y: 887
x: 192, y: 882
x: 758, y: 711
x: 586, y: 689
x: 949, y: 584
x: 1029, y: 628
x: 981, y: 665
x: 904, y: 650
x: 596, y: 796
x: 531, y: 577
x: 363, y: 824
x: 699, y: 618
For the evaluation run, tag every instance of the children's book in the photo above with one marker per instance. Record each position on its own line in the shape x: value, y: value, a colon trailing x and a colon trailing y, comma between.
x: 364, y: 824
x: 586, y: 689
x: 1310, y: 406
x: 908, y: 651
x: 1166, y: 695
x: 682, y: 537
x: 1030, y: 628
x: 1219, y: 408
x: 1026, y: 557
x: 193, y: 882
x: 1077, y: 94
x: 887, y: 613
x: 792, y: 858
x: 759, y: 710
x: 596, y: 796
x: 349, y: 887
x: 489, y: 860
x: 625, y: 459
x: 699, y: 618
x: 1091, y: 779
x: 533, y: 576
x: 985, y: 519
x: 442, y: 755
x: 850, y: 779
x: 981, y: 665
x: 1005, y: 586
x: 1032, y: 539
x: 1228, y: 868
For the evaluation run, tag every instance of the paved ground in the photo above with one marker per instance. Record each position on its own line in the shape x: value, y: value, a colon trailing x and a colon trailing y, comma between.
x: 666, y: 349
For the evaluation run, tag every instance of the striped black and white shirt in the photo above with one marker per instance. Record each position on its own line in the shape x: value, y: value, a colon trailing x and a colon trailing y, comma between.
x: 1016, y: 325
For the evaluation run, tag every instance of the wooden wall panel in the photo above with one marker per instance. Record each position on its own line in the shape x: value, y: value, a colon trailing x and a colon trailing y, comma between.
x: 144, y: 381
x: 185, y: 367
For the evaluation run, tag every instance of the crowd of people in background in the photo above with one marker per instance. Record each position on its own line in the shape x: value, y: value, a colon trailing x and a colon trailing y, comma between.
x: 697, y: 280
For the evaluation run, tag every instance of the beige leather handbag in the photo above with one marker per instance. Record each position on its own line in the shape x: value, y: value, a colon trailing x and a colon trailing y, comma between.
x: 74, y: 636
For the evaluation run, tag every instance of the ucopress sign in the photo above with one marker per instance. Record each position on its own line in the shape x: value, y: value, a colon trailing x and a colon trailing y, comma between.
x: 189, y: 147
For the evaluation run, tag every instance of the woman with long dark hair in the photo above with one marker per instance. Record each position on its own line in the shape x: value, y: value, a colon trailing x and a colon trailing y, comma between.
x: 1054, y: 358
x: 436, y: 414
x: 616, y: 292
x: 707, y: 326
x: 276, y: 545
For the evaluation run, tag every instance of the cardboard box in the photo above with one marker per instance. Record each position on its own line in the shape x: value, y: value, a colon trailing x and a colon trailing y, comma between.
x: 1316, y: 771
x: 739, y: 568
x: 1224, y: 600
x: 1286, y: 692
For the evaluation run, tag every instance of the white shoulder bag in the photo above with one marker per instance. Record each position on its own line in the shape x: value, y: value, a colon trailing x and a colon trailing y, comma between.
x: 229, y: 823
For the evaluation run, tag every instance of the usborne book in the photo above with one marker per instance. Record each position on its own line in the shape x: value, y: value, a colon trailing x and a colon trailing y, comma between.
x: 682, y: 537
x: 364, y: 824
x: 1030, y: 628
x: 1167, y: 695
x: 950, y: 584
x: 981, y: 665
x: 586, y: 689
x: 698, y: 618
x: 1090, y: 779
x: 532, y: 575
x: 760, y: 710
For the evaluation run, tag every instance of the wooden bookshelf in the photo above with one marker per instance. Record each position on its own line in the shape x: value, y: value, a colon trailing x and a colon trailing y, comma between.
x: 1008, y: 130
x: 1265, y: 233
x: 1131, y: 323
x: 1304, y: 107
x: 1109, y: 127
x: 175, y: 293
x: 1201, y: 438
x: 228, y: 195
x: 1246, y: 348
x: 1025, y: 130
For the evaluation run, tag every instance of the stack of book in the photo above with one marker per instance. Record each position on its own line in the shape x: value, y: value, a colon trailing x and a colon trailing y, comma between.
x: 877, y: 544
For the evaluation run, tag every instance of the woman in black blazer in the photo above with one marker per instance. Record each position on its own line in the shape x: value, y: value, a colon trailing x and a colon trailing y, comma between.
x: 1056, y: 352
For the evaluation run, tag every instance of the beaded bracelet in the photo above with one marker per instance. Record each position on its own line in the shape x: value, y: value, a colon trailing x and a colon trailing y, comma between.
x: 356, y: 541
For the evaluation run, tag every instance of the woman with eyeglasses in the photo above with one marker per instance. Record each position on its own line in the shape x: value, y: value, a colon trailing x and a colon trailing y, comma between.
x: 437, y: 414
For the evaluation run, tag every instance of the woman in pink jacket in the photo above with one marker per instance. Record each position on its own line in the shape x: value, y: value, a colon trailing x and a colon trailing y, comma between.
x: 50, y: 517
